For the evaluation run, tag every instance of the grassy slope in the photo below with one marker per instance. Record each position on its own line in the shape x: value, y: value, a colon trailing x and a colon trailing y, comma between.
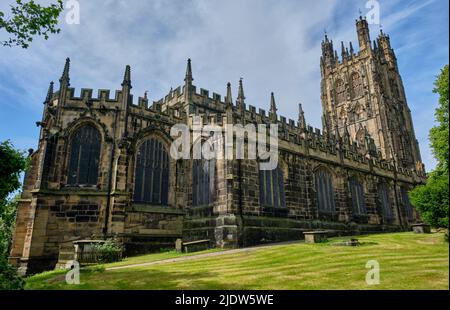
x: 407, y: 261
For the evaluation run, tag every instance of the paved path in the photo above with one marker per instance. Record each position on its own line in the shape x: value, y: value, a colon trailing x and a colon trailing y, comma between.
x: 194, y: 257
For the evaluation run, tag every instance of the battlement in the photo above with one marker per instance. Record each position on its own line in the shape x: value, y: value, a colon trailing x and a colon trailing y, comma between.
x: 87, y: 94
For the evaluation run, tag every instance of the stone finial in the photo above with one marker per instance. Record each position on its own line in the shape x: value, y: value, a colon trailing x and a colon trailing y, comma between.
x: 49, y: 93
x: 127, y: 76
x: 65, y: 79
x: 352, y: 51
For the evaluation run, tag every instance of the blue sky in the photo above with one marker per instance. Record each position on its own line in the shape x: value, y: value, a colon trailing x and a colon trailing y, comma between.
x: 273, y: 45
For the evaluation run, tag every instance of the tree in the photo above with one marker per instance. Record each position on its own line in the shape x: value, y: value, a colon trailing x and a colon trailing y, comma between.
x: 28, y: 20
x: 431, y: 199
x: 439, y: 134
x: 12, y: 163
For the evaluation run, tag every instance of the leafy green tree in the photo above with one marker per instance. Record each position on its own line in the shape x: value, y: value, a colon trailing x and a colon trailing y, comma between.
x: 431, y: 199
x: 12, y: 163
x: 439, y: 134
x: 29, y: 19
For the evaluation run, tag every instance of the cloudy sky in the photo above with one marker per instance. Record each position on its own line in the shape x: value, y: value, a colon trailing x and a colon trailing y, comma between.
x: 273, y: 44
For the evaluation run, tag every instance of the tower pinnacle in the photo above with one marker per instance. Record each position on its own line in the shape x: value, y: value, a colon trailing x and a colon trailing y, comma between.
x: 241, y: 96
x: 127, y: 77
x: 65, y: 79
x: 301, y: 117
x: 273, y: 105
x: 49, y: 93
x: 229, y: 98
x: 188, y: 77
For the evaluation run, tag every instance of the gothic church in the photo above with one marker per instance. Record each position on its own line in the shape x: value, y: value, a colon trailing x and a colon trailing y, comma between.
x: 103, y: 167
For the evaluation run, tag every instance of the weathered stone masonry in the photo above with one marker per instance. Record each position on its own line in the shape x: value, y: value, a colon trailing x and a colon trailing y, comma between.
x: 102, y: 170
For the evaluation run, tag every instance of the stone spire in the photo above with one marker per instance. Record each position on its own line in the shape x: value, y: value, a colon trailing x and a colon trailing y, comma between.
x: 301, y: 117
x: 343, y: 51
x: 127, y: 77
x: 229, y: 97
x: 49, y: 93
x: 65, y: 79
x: 189, y: 78
x: 241, y: 97
x: 273, y: 105
x: 352, y: 51
x: 188, y: 89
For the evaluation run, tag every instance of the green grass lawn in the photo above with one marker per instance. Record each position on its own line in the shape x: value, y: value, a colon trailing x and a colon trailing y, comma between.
x: 407, y: 261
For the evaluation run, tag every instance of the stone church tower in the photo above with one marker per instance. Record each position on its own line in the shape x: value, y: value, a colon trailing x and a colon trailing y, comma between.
x: 363, y: 97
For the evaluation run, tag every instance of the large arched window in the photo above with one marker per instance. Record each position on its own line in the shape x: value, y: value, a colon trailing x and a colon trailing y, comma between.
x: 324, y: 190
x: 203, y: 185
x: 358, y: 201
x: 383, y: 198
x: 271, y: 188
x: 357, y: 85
x: 341, y: 93
x: 84, y: 156
x: 151, y: 184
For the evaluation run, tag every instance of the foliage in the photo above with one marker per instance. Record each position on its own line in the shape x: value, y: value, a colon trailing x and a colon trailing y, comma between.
x: 12, y: 163
x: 439, y: 134
x: 29, y: 19
x: 431, y: 199
x: 9, y: 280
x: 7, y: 221
x: 108, y: 252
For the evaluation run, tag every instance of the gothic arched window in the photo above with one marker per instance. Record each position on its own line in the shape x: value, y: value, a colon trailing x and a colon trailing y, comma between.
x: 84, y: 156
x: 151, y: 184
x: 406, y: 203
x: 324, y: 190
x: 271, y: 188
x: 341, y: 93
x: 203, y: 182
x: 357, y: 85
x: 358, y: 201
x: 383, y: 198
